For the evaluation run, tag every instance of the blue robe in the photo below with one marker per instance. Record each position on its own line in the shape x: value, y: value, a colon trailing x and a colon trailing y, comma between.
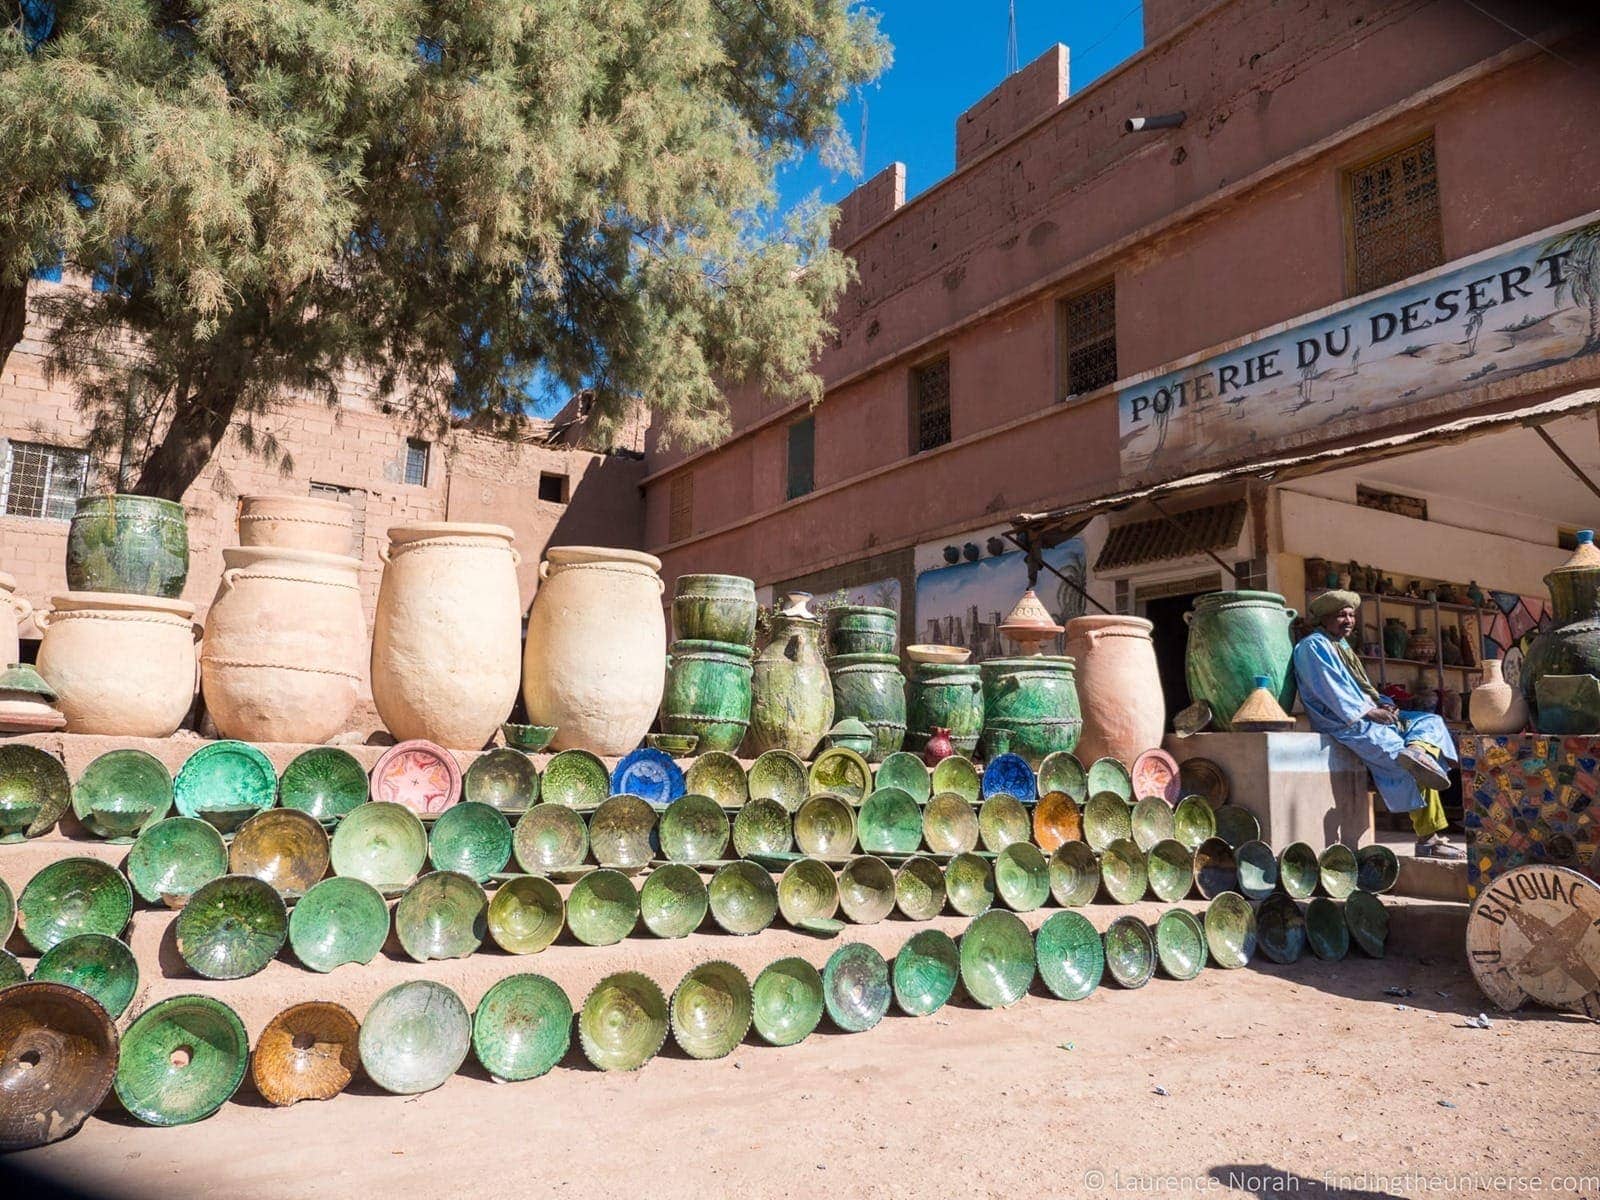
x: 1337, y: 705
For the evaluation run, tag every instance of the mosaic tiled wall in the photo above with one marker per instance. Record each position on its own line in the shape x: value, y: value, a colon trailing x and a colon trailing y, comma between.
x: 1530, y: 799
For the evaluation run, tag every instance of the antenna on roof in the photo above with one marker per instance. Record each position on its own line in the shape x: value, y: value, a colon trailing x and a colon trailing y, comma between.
x: 1011, y: 41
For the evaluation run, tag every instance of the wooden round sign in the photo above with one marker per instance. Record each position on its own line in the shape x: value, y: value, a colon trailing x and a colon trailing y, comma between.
x: 1535, y: 932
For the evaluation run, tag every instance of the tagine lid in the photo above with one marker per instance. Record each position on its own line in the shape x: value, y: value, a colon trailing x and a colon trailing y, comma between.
x: 23, y: 678
x: 1030, y: 616
x: 1585, y: 559
x: 1261, y: 712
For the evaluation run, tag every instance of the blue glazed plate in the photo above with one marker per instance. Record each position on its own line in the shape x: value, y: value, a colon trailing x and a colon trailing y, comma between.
x: 649, y: 774
x: 1010, y: 774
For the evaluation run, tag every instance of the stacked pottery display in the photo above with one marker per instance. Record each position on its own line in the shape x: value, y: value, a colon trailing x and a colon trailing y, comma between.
x: 791, y: 697
x: 865, y: 672
x: 945, y: 699
x: 1119, y: 687
x: 709, y: 665
x: 137, y: 544
x: 297, y: 523
x: 1571, y: 646
x: 1033, y: 697
x: 1233, y: 638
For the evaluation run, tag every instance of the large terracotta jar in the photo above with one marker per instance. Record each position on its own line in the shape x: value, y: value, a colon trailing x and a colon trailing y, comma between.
x: 946, y: 696
x: 597, y: 640
x: 1496, y: 706
x: 298, y: 523
x: 14, y: 610
x: 137, y: 544
x: 1119, y: 687
x: 708, y: 693
x: 1233, y: 637
x: 791, y: 698
x: 119, y: 663
x: 281, y: 660
x: 1571, y: 646
x: 870, y: 688
x: 1034, y: 698
x: 447, y: 635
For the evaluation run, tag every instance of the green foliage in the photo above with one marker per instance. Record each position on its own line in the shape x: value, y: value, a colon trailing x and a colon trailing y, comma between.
x: 451, y: 196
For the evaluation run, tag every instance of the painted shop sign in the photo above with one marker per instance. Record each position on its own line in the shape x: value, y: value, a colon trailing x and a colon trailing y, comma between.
x: 1529, y: 304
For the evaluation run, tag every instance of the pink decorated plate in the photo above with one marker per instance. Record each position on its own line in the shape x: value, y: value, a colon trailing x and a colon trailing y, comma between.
x: 419, y: 775
x: 1155, y: 773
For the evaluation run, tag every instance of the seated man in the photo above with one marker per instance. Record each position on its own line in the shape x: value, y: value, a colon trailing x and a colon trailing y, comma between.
x: 1403, y: 750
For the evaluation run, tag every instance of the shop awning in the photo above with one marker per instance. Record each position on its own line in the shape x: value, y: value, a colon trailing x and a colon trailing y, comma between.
x: 1213, y: 527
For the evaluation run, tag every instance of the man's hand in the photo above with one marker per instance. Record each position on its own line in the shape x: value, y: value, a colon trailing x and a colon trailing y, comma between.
x: 1383, y: 716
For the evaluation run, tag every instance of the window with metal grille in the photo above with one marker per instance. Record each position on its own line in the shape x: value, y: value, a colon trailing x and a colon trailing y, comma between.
x: 1392, y: 217
x: 416, y: 462
x: 1086, y: 330
x: 356, y: 498
x: 930, y: 405
x: 680, y: 502
x: 552, y: 488
x: 802, y: 457
x: 43, y: 481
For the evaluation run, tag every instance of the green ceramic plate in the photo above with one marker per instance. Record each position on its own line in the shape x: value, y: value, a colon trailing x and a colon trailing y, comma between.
x: 1180, y: 943
x: 866, y: 890
x: 502, y: 778
x: 907, y: 772
x: 1130, y: 950
x: 340, y: 920
x: 602, y: 908
x: 621, y: 831
x: 576, y: 779
x: 997, y: 963
x: 1237, y: 825
x: 550, y: 837
x: 526, y: 914
x: 1326, y: 931
x: 73, y: 896
x: 1257, y: 869
x: 1109, y: 775
x: 1369, y: 923
x: 1122, y: 870
x: 855, y: 987
x: 718, y: 774
x: 957, y: 774
x: 325, y: 781
x: 1074, y: 874
x: 787, y: 1001
x: 969, y: 884
x: 825, y: 827
x: 8, y: 912
x: 673, y: 901
x: 623, y: 1022
x: 778, y: 775
x: 34, y: 791
x: 1152, y: 821
x: 182, y: 1059
x: 743, y: 898
x: 522, y: 1028
x: 232, y: 927
x: 1022, y: 876
x: 442, y: 915
x: 1193, y: 821
x: 1216, y: 869
x: 380, y: 842
x: 889, y: 822
x: 694, y: 829
x: 1280, y: 929
x: 711, y: 1010
x: 528, y: 739
x: 1062, y: 772
x: 763, y: 827
x: 1202, y: 777
x: 224, y: 783
x: 121, y: 794
x: 1001, y: 821
x: 60, y: 1053
x: 1338, y: 871
x: 1377, y: 869
x: 472, y: 838
x: 1169, y: 867
x: 281, y: 847
x: 1106, y: 817
x: 175, y: 857
x: 98, y: 966
x: 950, y: 824
x: 11, y: 970
x: 807, y: 891
x: 919, y: 889
x: 414, y: 1037
x: 1230, y: 930
x: 840, y: 772
x: 1297, y: 870
x: 1070, y: 956
x: 925, y: 972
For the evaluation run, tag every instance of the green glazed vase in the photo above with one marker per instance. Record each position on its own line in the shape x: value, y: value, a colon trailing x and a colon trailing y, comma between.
x: 1234, y: 637
x: 137, y: 544
x: 522, y: 1028
x: 1035, y: 699
x: 716, y: 608
x: 182, y: 1059
x: 944, y: 696
x: 862, y: 629
x: 870, y: 688
x: 707, y: 693
x: 791, y: 697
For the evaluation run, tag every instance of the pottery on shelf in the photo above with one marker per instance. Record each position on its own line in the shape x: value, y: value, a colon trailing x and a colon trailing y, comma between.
x: 1119, y: 688
x: 340, y: 920
x: 225, y: 783
x: 1421, y: 645
x: 948, y: 696
x: 298, y: 523
x: 121, y: 793
x: 232, y: 927
x: 307, y: 1052
x: 1571, y: 646
x: 282, y: 847
x: 502, y: 778
x: 623, y: 1022
x: 1496, y: 706
x: 414, y: 1037
x: 34, y: 791
x: 707, y: 693
x: 174, y: 858
x: 60, y: 1049
x: 714, y: 608
x: 1036, y: 699
x: 418, y: 775
x: 1233, y: 638
x: 522, y: 1027
x: 97, y: 965
x: 938, y: 747
x: 134, y: 544
x: 529, y: 739
x: 182, y: 1059
x: 27, y: 702
x: 791, y: 696
x: 787, y: 1001
x: 926, y: 652
x: 868, y: 687
x: 324, y: 781
x: 73, y: 896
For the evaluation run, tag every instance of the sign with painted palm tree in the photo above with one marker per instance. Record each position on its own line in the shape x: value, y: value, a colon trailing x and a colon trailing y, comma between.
x: 1528, y: 304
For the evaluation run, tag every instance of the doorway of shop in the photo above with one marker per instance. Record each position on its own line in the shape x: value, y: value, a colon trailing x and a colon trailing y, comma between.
x: 1171, y: 638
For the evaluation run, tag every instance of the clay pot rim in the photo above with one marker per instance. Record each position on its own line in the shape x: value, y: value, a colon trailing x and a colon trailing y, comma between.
x: 863, y: 658
x: 876, y: 609
x: 421, y: 530
x: 1214, y: 599
x: 331, y: 506
x: 739, y: 581
x: 1060, y: 662
x: 249, y: 556
x: 1106, y: 621
x: 571, y: 556
x: 684, y: 647
x: 94, y: 601
x: 8, y: 583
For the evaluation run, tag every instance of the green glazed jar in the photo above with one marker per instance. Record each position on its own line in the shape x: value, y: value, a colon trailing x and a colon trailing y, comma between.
x: 136, y: 544
x: 714, y: 608
x: 708, y: 693
x: 870, y: 688
x: 944, y: 696
x: 1571, y: 646
x: 1233, y: 637
x: 791, y: 698
x: 862, y: 629
x: 1035, y: 699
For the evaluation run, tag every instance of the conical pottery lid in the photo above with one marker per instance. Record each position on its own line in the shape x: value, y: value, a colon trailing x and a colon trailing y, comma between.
x: 24, y: 679
x: 307, y: 1052
x: 1030, y: 617
x: 1261, y: 712
x: 1585, y: 559
x: 72, y: 1045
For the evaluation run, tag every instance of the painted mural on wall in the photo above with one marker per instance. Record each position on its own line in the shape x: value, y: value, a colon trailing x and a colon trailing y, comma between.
x: 1530, y: 304
x: 1509, y: 627
x: 963, y: 604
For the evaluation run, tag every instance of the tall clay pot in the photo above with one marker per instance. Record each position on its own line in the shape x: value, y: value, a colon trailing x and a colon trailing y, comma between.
x: 1119, y: 687
x: 14, y: 610
x: 946, y: 696
x: 135, y: 544
x: 708, y: 693
x: 281, y: 660
x: 791, y: 699
x: 447, y: 635
x: 862, y: 629
x: 1496, y: 706
x: 1035, y: 699
x: 298, y: 523
x: 1571, y: 646
x: 714, y: 608
x: 1233, y: 637
x: 120, y: 664
x: 870, y: 688
x: 596, y: 642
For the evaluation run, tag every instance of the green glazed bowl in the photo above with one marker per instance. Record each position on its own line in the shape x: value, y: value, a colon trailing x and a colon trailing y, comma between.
x: 807, y: 892
x: 174, y: 858
x: 694, y: 829
x: 281, y: 847
x: 955, y: 773
x: 98, y: 966
x: 1230, y: 930
x: 522, y: 1028
x: 34, y: 791
x: 889, y: 822
x: 925, y: 972
x: 620, y: 831
x: 527, y: 739
x: 743, y: 898
x: 1130, y: 950
x: 18, y: 814
x: 1216, y: 869
x: 1297, y: 870
x: 182, y: 1059
x: 1377, y: 869
x: 1062, y: 772
x: 1338, y: 871
x: 442, y: 915
x: 576, y: 779
x: 1122, y: 870
x: 1152, y: 822
x: 919, y: 889
x: 225, y: 783
x: 73, y: 896
x: 526, y: 914
x: 1169, y: 867
x: 1363, y: 913
x: 1193, y: 821
x: 1022, y: 876
x: 380, y: 842
x: 502, y: 778
x: 855, y: 987
x: 1326, y: 931
x: 675, y: 745
x: 1180, y: 944
x: 1237, y: 825
x: 623, y: 1022
x: 763, y: 827
x: 1071, y: 958
x: 786, y: 1001
x: 1280, y: 929
x: 840, y: 771
x: 471, y: 838
x: 1056, y: 819
x: 325, y: 782
x: 711, y: 1010
x: 673, y: 901
x: 825, y: 827
x: 8, y: 912
x: 340, y: 920
x: 1003, y: 820
x: 905, y: 771
x: 1074, y: 874
x: 1109, y: 775
x: 997, y: 959
x: 550, y: 837
x: 232, y: 927
x: 60, y: 1053
x: 969, y: 884
x: 866, y: 889
x: 11, y: 970
x: 1257, y: 867
x: 414, y: 1037
x: 778, y: 775
x: 602, y: 908
x: 717, y: 774
x: 122, y: 793
x: 950, y: 824
x: 1106, y: 817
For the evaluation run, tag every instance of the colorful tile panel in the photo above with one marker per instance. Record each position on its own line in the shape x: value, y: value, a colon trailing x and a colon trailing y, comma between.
x: 1530, y: 798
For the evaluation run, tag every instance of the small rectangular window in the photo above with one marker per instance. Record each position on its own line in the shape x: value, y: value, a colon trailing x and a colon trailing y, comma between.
x: 680, y: 501
x: 930, y: 405
x: 1086, y: 330
x: 416, y: 462
x: 802, y: 456
x: 43, y: 481
x: 552, y: 488
x: 1392, y: 217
